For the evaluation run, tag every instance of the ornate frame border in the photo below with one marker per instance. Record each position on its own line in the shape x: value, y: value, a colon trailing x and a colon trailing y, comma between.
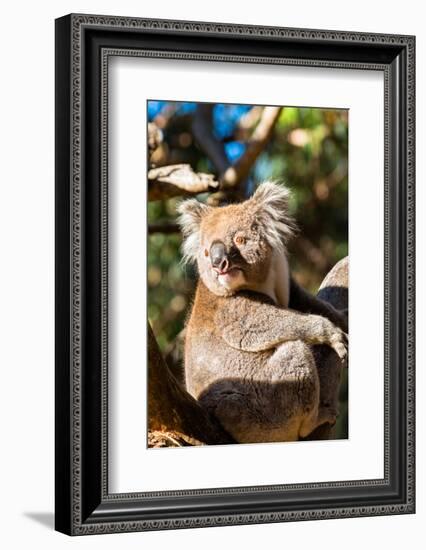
x: 83, y: 506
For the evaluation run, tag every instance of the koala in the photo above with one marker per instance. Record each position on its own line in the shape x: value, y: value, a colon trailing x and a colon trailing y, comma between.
x: 248, y: 356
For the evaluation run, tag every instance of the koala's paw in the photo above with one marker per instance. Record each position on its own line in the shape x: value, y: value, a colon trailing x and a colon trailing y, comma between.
x: 339, y: 342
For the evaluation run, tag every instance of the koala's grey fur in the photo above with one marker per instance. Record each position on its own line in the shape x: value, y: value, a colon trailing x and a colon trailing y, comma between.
x: 248, y: 349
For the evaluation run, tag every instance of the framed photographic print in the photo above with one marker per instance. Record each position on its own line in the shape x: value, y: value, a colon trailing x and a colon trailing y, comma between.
x: 234, y: 274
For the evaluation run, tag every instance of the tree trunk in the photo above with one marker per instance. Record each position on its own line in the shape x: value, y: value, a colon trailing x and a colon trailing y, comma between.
x: 175, y: 418
x: 334, y: 290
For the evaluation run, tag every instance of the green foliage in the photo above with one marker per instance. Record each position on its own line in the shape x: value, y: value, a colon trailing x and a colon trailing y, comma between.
x: 169, y: 287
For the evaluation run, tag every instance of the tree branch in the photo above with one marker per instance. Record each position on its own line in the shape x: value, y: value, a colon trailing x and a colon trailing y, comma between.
x: 260, y: 137
x: 178, y: 179
x: 155, y: 137
x: 202, y: 128
x: 165, y: 227
x: 232, y: 177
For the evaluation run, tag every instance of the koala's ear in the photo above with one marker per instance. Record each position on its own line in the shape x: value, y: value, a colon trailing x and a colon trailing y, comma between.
x: 191, y: 213
x: 270, y: 203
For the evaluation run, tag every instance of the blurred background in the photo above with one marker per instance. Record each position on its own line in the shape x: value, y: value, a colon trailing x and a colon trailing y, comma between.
x: 307, y: 148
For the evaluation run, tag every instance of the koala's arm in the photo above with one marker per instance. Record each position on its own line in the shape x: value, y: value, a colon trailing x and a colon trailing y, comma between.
x: 248, y: 324
x: 303, y: 301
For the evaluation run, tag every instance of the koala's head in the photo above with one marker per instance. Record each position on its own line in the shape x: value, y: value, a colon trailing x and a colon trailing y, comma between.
x: 233, y: 245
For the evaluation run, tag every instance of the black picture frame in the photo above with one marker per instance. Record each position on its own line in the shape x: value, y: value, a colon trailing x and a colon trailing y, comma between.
x: 83, y: 45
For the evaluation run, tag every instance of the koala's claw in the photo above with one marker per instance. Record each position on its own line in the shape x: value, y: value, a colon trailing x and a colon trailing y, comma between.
x: 339, y: 342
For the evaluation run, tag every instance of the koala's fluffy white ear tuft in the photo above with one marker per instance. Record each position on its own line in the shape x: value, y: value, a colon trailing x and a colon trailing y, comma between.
x: 270, y: 203
x: 191, y: 213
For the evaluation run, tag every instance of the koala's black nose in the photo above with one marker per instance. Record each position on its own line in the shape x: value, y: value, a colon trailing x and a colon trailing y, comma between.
x: 218, y: 256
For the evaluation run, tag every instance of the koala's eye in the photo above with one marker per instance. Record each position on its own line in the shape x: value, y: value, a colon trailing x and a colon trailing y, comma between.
x: 206, y: 252
x: 240, y: 240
